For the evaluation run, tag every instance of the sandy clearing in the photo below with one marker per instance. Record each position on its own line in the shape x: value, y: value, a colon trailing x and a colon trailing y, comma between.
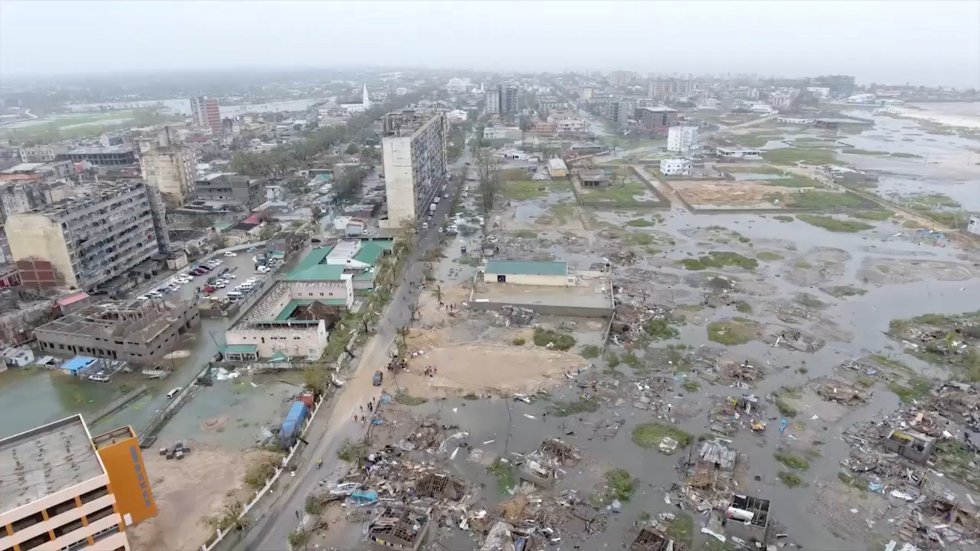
x: 187, y: 492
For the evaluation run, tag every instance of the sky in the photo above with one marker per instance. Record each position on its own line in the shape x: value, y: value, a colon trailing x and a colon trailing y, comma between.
x: 929, y: 43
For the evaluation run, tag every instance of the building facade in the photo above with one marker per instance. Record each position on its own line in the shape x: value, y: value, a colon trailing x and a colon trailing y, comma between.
x: 137, y: 332
x: 509, y: 98
x: 62, y: 493
x: 520, y: 272
x: 116, y: 155
x: 415, y: 162
x: 656, y: 120
x: 682, y: 139
x: 206, y: 113
x: 39, y: 153
x: 230, y: 187
x: 172, y: 169
x: 492, y: 106
x: 84, y: 242
x: 675, y: 167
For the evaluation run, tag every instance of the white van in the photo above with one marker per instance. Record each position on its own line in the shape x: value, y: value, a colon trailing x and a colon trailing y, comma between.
x: 172, y: 393
x: 234, y: 295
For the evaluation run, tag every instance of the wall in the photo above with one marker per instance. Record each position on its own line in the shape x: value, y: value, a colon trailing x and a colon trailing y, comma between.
x: 399, y: 180
x: 128, y: 480
x: 546, y: 310
x: 529, y: 279
x: 299, y: 340
x: 34, y: 236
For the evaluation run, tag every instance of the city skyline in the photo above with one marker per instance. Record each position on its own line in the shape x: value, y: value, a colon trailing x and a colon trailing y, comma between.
x: 932, y: 44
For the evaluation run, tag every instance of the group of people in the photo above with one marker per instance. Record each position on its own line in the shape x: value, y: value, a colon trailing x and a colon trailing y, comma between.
x: 431, y: 371
x: 363, y: 418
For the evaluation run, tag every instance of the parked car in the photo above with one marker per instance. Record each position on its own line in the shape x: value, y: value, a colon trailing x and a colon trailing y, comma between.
x: 378, y: 377
x: 230, y: 253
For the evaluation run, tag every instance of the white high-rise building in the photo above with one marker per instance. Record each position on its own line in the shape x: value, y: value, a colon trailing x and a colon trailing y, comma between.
x: 682, y: 139
x: 413, y: 148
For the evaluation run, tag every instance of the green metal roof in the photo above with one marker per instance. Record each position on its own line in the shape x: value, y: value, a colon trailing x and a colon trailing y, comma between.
x: 292, y: 305
x: 241, y: 349
x: 371, y: 251
x: 319, y: 272
x: 526, y: 267
x: 315, y: 257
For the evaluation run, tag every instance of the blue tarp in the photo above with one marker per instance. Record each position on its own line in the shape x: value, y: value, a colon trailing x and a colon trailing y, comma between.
x: 366, y: 497
x: 78, y: 363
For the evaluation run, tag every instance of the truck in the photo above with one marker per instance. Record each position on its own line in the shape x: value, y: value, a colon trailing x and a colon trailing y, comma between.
x: 292, y: 425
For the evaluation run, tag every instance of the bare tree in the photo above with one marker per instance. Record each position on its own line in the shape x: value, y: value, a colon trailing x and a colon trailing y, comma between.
x: 488, y: 173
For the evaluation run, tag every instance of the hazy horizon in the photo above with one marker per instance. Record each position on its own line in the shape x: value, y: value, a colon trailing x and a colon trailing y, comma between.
x: 921, y: 43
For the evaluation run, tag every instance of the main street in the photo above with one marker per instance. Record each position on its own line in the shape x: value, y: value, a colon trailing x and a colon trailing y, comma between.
x: 333, y: 427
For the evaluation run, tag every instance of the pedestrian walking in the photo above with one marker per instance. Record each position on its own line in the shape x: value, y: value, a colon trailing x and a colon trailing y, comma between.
x: 297, y: 513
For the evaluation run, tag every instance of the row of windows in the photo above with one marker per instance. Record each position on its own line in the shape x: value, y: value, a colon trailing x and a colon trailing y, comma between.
x: 72, y: 526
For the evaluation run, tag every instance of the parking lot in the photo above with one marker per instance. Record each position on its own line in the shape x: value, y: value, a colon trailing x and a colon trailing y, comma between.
x: 214, y: 277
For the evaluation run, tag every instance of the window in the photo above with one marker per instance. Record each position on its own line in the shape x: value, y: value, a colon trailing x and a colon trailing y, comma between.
x: 27, y: 521
x: 95, y: 494
x: 100, y: 514
x: 36, y: 541
x: 61, y: 508
x: 67, y: 528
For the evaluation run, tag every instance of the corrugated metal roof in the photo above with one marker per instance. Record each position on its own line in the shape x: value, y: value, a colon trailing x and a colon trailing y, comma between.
x: 526, y: 267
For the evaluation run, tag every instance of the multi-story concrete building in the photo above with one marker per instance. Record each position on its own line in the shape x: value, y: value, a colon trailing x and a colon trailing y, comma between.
x: 675, y: 167
x: 141, y: 332
x: 656, y: 120
x: 16, y: 198
x: 509, y: 97
x: 85, y: 242
x: 206, y: 113
x: 682, y: 139
x: 65, y: 490
x: 416, y: 166
x: 40, y: 153
x: 115, y: 155
x: 512, y: 133
x: 492, y: 102
x: 229, y: 187
x: 171, y: 168
x: 621, y: 78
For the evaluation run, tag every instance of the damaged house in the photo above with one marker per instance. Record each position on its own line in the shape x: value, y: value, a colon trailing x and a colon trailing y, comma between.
x: 651, y: 539
x: 400, y: 527
x: 911, y: 445
x: 747, y: 518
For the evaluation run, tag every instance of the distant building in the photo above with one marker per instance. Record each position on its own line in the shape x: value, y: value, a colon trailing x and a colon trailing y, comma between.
x: 675, y: 167
x: 492, y: 98
x: 621, y: 78
x: 795, y: 120
x: 85, y: 242
x: 141, y: 332
x: 570, y: 127
x: 361, y: 107
x: 171, y: 168
x: 819, y: 92
x: 114, y: 155
x: 206, y: 113
x: 457, y: 85
x: 656, y: 120
x: 230, y: 187
x: 416, y: 166
x: 512, y: 133
x: 557, y: 168
x: 40, y: 153
x: 974, y: 225
x: 682, y: 139
x: 670, y: 87
x: 509, y: 99
x: 67, y: 490
x: 739, y: 153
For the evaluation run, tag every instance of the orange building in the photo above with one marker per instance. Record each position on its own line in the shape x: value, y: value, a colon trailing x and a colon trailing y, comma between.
x: 120, y: 452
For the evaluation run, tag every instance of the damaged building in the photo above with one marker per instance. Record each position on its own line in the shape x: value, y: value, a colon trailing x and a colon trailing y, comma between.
x: 651, y: 539
x: 911, y: 445
x: 747, y: 518
x: 400, y: 527
x: 141, y: 332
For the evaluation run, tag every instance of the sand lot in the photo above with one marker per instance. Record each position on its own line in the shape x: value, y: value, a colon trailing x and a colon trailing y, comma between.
x: 187, y: 492
x: 724, y: 193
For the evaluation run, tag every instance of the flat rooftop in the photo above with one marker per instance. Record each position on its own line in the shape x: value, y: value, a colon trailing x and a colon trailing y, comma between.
x: 136, y: 320
x: 580, y: 296
x: 45, y: 460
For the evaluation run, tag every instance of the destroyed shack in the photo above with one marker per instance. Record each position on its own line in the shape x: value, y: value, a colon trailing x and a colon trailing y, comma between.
x: 651, y: 539
x: 400, y: 527
x: 747, y: 518
x: 544, y: 465
x: 716, y: 457
x: 834, y: 390
x: 505, y: 537
x: 439, y: 486
x: 911, y: 445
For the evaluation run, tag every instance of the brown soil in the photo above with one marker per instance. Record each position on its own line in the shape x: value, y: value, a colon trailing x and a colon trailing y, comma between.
x: 187, y: 492
x: 723, y: 193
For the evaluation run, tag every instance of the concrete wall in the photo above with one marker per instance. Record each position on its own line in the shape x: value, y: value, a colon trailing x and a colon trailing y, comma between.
x: 298, y: 340
x: 546, y: 310
x: 531, y: 279
x: 35, y: 236
x: 396, y: 153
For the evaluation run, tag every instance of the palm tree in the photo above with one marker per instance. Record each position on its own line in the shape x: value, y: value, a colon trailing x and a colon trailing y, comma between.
x: 437, y: 292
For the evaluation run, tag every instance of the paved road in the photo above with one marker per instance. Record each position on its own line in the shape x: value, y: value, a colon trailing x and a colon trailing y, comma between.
x: 335, y: 425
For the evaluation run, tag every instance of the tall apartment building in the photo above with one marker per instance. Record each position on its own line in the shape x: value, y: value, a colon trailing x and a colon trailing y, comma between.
x: 682, y: 139
x: 493, y: 102
x: 206, y: 113
x: 509, y: 99
x: 622, y: 78
x: 670, y: 87
x: 84, y: 242
x: 63, y: 489
x: 413, y: 147
x: 171, y: 168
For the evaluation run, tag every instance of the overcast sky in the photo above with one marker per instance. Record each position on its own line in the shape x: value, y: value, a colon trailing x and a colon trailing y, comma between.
x: 930, y: 42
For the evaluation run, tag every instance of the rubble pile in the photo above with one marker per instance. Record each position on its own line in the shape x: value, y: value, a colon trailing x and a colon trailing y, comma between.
x: 960, y: 402
x: 514, y: 316
x: 742, y: 374
x: 836, y: 390
x: 629, y: 317
x: 730, y: 414
x: 544, y: 466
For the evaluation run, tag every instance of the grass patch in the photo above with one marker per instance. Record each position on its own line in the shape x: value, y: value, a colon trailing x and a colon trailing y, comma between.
x: 733, y: 331
x: 565, y: 409
x: 824, y: 200
x: 638, y: 239
x: 526, y: 234
x: 681, y: 530
x: 834, y: 224
x: 589, y: 351
x: 691, y: 385
x: 785, y: 408
x: 639, y: 223
x: 649, y: 435
x: 523, y: 190
x: 632, y: 360
x: 770, y: 256
x: 743, y: 307
x: 352, y: 451
x: 873, y: 214
x: 903, y: 155
x: 891, y: 363
x: 793, y: 155
x: 660, y: 329
x: 620, y: 484
x: 792, y: 460
x: 558, y: 341
x: 719, y: 259
x: 518, y: 341
x: 842, y: 291
x: 783, y: 218
x: 755, y: 140
x: 810, y: 301
x: 791, y: 480
x: 503, y: 471
x: 915, y: 389
x: 407, y: 399
x: 625, y: 193
x: 261, y: 470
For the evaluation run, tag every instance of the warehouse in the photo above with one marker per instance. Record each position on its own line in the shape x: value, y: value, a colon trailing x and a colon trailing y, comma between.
x: 522, y: 272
